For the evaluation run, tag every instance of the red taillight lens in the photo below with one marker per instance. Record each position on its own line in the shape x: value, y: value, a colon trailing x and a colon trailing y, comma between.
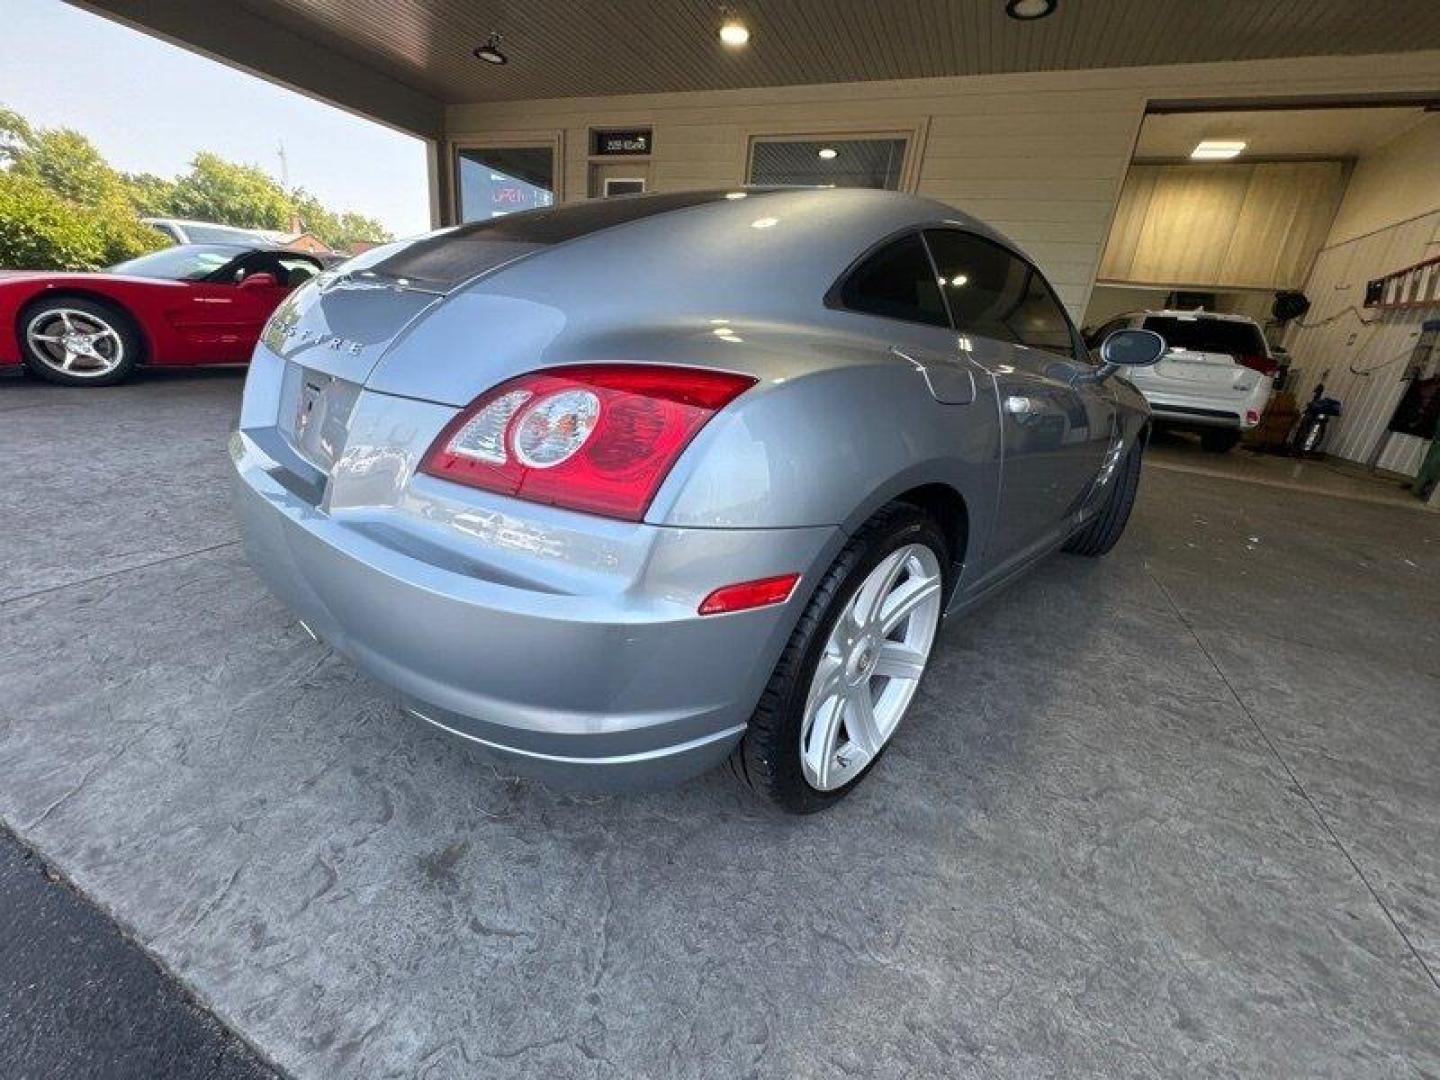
x: 1258, y: 362
x: 599, y: 437
x: 749, y: 594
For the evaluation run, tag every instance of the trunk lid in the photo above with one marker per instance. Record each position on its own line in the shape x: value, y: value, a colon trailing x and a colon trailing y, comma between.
x: 1206, y: 353
x: 331, y: 337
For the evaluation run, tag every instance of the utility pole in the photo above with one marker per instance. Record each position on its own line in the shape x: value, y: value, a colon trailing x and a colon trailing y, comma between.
x: 284, y: 167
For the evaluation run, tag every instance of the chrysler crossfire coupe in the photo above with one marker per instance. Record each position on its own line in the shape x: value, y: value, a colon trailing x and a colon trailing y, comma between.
x: 624, y: 489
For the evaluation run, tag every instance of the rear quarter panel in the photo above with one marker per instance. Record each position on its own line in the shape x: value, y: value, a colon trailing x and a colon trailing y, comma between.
x: 830, y: 446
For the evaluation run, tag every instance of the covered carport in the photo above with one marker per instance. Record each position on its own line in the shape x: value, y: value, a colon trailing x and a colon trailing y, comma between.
x: 1170, y: 813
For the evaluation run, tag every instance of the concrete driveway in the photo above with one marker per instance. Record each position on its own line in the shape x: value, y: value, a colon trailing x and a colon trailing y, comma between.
x: 1171, y: 813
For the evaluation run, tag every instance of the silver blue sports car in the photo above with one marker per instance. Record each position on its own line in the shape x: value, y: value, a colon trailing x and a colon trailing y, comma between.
x: 622, y: 489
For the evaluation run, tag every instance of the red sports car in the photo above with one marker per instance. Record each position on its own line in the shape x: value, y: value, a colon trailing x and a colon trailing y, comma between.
x: 189, y: 304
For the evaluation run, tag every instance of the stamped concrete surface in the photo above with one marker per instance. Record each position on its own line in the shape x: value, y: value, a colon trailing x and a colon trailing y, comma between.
x: 1170, y: 813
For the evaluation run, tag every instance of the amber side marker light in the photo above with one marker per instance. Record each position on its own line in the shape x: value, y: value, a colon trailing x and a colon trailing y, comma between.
x: 745, y: 595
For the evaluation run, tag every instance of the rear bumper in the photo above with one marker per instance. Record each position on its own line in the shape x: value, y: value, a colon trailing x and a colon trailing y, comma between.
x: 1191, y: 416
x: 1181, y: 403
x: 613, y: 682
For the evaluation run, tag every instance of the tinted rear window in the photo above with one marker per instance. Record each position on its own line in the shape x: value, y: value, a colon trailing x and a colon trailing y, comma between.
x: 446, y: 259
x: 1208, y: 335
x: 897, y: 282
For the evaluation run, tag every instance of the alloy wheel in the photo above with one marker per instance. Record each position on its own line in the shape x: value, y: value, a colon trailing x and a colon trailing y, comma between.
x: 75, y: 343
x: 871, y: 667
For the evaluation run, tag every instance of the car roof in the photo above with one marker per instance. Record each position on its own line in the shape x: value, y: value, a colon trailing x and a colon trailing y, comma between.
x: 1197, y: 313
x: 685, y: 238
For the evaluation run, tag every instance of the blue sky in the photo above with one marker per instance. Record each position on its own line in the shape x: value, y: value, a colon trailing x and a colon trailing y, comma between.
x: 150, y: 106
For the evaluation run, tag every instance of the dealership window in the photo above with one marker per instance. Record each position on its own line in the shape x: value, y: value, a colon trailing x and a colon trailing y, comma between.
x: 897, y: 282
x: 996, y: 294
x: 865, y: 163
x: 494, y: 182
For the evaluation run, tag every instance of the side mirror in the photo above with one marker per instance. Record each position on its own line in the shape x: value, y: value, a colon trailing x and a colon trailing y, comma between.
x: 1130, y: 348
x: 261, y: 280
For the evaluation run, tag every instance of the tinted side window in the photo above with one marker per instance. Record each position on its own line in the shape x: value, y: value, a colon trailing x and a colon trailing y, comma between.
x: 998, y: 295
x: 897, y: 282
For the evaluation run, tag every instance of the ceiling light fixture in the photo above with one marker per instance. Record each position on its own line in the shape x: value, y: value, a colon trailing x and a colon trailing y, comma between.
x: 828, y: 153
x: 734, y: 33
x: 1030, y: 10
x: 490, y: 51
x: 1217, y: 149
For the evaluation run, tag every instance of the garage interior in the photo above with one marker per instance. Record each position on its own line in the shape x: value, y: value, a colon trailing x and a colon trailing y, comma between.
x: 1168, y: 813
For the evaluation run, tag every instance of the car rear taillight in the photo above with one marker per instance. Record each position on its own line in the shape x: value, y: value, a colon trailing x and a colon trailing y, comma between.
x: 1265, y: 365
x: 597, y: 437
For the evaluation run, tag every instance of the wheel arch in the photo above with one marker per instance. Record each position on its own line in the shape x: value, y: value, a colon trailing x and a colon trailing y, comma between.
x: 925, y: 488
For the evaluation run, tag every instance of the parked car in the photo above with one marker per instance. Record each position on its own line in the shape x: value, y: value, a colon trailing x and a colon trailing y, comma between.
x: 183, y: 231
x: 1215, y: 378
x: 621, y: 489
x: 190, y: 304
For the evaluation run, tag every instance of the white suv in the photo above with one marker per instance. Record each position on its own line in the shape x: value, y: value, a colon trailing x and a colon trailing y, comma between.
x: 1215, y: 377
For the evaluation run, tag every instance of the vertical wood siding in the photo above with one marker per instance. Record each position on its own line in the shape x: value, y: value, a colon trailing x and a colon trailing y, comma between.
x: 1222, y: 226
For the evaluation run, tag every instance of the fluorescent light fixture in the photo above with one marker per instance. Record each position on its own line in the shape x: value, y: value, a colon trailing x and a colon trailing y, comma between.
x: 828, y: 153
x: 1217, y: 149
x: 734, y: 33
x: 764, y: 223
x: 733, y: 195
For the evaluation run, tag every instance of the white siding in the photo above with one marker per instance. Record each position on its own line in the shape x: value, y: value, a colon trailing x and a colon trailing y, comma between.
x: 1364, y: 362
x: 1040, y: 156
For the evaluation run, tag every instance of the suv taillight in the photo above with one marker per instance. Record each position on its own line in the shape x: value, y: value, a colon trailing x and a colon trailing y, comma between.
x: 597, y: 437
x: 1260, y: 362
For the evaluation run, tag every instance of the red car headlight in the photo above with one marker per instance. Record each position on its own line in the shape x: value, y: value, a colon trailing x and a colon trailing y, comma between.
x: 600, y: 438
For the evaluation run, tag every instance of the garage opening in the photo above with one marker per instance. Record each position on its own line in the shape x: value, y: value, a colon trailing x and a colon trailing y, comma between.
x: 1259, y: 241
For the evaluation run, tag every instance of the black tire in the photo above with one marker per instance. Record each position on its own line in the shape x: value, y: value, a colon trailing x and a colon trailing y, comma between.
x: 1219, y: 440
x: 126, y: 339
x: 1103, y: 531
x: 768, y: 757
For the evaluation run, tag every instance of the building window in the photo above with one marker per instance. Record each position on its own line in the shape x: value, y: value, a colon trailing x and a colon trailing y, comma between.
x: 867, y: 163
x: 499, y: 181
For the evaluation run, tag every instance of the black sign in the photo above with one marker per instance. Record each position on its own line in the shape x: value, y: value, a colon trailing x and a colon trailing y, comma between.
x: 631, y: 143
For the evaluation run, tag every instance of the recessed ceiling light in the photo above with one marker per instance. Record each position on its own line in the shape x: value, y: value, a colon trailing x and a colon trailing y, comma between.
x: 490, y: 51
x: 1217, y: 149
x: 734, y: 33
x: 1028, y: 10
x: 828, y: 153
x: 764, y: 223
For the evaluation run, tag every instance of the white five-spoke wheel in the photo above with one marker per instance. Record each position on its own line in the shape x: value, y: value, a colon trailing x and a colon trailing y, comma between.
x: 870, y: 667
x: 75, y: 343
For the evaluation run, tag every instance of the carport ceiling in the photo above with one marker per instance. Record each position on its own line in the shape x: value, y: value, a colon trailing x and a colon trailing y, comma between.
x: 621, y: 46
x: 1280, y: 133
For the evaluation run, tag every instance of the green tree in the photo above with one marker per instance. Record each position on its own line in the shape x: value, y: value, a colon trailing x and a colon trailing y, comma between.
x: 39, y: 230
x: 337, y: 230
x: 64, y: 207
x: 66, y: 163
x: 222, y: 191
x: 15, y: 135
x: 152, y: 196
